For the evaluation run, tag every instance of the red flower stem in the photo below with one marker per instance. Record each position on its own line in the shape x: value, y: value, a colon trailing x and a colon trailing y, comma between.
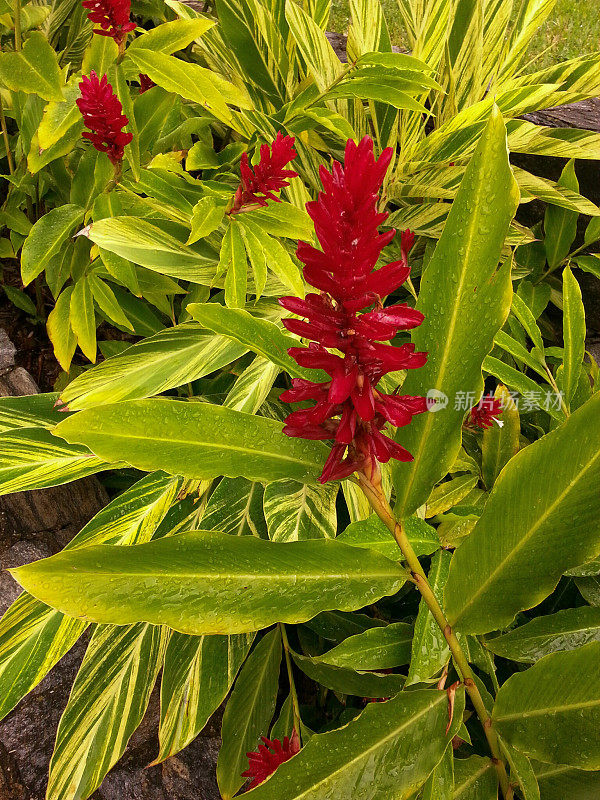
x: 386, y: 515
x: 293, y: 692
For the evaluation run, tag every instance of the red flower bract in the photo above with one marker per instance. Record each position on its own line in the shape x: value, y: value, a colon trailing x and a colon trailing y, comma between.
x: 145, y: 82
x: 348, y: 408
x: 269, y: 756
x: 269, y: 175
x: 102, y: 114
x: 484, y: 413
x: 112, y: 16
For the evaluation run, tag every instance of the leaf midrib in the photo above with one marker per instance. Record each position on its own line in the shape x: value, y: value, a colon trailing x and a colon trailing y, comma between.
x: 537, y: 712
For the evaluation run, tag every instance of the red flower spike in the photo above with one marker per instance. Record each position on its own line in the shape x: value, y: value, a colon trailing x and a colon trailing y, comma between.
x: 270, y: 754
x: 103, y: 115
x: 484, y: 413
x: 348, y: 408
x: 269, y: 175
x: 112, y: 16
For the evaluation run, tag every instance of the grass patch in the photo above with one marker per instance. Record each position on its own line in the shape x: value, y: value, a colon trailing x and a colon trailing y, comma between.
x: 572, y: 29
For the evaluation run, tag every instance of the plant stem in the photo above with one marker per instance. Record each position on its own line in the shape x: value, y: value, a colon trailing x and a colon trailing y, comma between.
x: 293, y: 692
x: 385, y: 513
x: 18, y: 41
x: 11, y: 163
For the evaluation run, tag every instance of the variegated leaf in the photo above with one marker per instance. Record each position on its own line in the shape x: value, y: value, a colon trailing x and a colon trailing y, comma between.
x: 296, y: 511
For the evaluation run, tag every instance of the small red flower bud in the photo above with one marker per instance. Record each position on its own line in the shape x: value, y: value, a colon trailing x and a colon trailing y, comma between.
x: 145, y: 83
x: 102, y: 114
x: 269, y: 756
x: 349, y: 409
x: 269, y: 176
x: 112, y: 16
x: 484, y: 413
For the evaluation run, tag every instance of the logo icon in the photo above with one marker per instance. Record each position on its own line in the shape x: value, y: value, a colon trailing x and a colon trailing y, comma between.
x: 436, y: 400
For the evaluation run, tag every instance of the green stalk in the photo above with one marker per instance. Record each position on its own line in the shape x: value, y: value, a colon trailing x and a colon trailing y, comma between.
x: 385, y: 513
x: 18, y: 40
x: 293, y: 692
x: 11, y: 163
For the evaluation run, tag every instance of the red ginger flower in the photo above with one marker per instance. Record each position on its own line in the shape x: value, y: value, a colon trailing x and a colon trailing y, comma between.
x: 112, y: 16
x: 269, y: 175
x: 484, y: 413
x: 349, y: 409
x: 102, y: 114
x: 269, y: 756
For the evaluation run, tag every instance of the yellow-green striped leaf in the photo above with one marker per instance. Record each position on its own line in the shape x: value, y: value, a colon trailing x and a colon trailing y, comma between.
x: 296, y: 511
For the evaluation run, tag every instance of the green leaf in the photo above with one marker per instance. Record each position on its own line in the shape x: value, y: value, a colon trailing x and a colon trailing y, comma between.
x: 259, y: 335
x: 450, y: 493
x: 590, y: 589
x: 114, y: 683
x: 83, y: 318
x: 346, y: 680
x: 33, y: 70
x: 249, y: 712
x: 430, y: 651
x: 560, y: 782
x: 335, y: 626
x: 474, y: 779
x: 372, y: 534
x: 541, y: 519
x: 252, y: 387
x: 552, y: 711
x: 107, y: 302
x: 197, y: 440
x: 33, y: 638
x: 297, y: 511
x: 209, y: 582
x: 521, y: 772
x: 192, y: 82
x: 565, y: 630
x: 100, y: 55
x: 236, y: 507
x: 360, y: 760
x: 376, y: 648
x: 34, y: 459
x: 198, y: 672
x: 280, y: 219
x: 560, y: 224
x: 168, y: 359
x: 171, y: 36
x: 277, y: 258
x: 377, y: 89
x: 132, y: 150
x: 500, y: 443
x: 206, y: 218
x: 146, y: 244
x: 461, y: 291
x: 573, y: 334
x: 311, y: 41
x: 46, y: 238
x: 59, y: 329
x: 29, y: 411
x: 440, y: 784
x: 232, y: 261
x: 20, y: 300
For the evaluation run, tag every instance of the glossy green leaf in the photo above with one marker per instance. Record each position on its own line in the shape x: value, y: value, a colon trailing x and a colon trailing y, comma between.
x: 46, y: 238
x: 249, y: 712
x: 574, y: 332
x: 107, y: 302
x: 33, y: 70
x: 233, y: 262
x: 252, y: 387
x: 407, y: 730
x: 32, y: 458
x: 558, y: 782
x: 197, y: 440
x: 206, y: 218
x: 500, y: 442
x: 83, y: 318
x: 296, y: 511
x: 146, y: 244
x: 565, y: 630
x: 461, y: 290
x: 171, y: 36
x: 560, y: 224
x: 450, y: 493
x: 108, y: 700
x: 168, y: 359
x: 209, y: 582
x: 440, y: 784
x: 521, y: 772
x: 192, y: 82
x: 346, y: 680
x: 335, y: 626
x: 372, y: 534
x: 236, y: 507
x: 430, y: 651
x: 198, y: 672
x: 29, y: 411
x: 474, y: 779
x: 259, y: 335
x: 541, y: 519
x: 552, y: 711
x: 383, y: 647
x: 590, y: 589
